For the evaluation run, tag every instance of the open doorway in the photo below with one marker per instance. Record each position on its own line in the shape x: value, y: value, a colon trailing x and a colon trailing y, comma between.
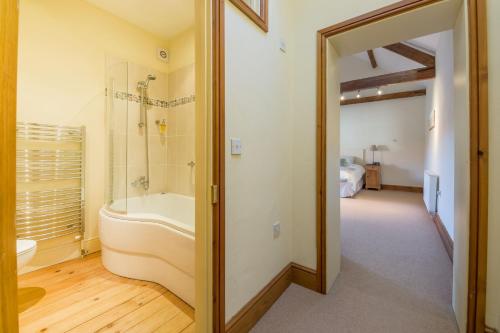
x: 362, y: 39
x: 397, y: 172
x: 106, y: 165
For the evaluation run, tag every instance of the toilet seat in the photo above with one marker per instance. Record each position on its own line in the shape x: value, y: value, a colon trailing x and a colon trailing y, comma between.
x: 26, y: 249
x: 25, y: 245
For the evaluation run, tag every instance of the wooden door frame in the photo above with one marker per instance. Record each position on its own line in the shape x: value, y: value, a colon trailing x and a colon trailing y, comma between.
x: 8, y: 81
x: 478, y: 94
x: 219, y: 175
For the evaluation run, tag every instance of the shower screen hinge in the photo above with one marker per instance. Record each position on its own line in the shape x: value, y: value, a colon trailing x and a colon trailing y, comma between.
x: 215, y: 194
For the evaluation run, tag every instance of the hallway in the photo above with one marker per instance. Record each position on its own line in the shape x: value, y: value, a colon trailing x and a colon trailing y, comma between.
x: 396, y: 275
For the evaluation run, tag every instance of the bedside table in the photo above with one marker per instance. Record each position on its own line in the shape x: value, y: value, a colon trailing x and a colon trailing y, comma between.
x: 373, y: 177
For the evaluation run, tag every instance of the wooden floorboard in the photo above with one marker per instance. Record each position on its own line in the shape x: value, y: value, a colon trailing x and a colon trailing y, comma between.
x: 82, y: 296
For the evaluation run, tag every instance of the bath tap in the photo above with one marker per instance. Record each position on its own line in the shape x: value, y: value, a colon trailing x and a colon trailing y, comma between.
x: 141, y: 181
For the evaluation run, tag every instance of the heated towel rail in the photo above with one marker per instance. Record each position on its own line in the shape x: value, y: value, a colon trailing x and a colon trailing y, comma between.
x: 50, y: 170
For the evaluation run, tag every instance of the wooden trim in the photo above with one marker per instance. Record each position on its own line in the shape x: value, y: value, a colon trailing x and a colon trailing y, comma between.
x: 321, y: 163
x: 250, y: 314
x: 261, y: 19
x: 371, y: 56
x: 219, y: 250
x: 385, y: 97
x: 386, y: 79
x: 412, y: 53
x: 8, y: 81
x: 397, y: 8
x: 413, y: 189
x: 478, y: 96
x: 479, y: 154
x: 445, y: 236
x: 304, y: 277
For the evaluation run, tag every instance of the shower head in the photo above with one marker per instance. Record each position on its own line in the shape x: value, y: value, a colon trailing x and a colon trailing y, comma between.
x: 144, y: 84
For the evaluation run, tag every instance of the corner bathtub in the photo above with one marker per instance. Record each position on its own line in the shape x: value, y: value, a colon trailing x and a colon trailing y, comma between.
x: 153, y: 241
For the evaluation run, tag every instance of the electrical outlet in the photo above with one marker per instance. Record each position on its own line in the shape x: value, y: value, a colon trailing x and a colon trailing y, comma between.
x: 276, y: 229
x: 283, y: 45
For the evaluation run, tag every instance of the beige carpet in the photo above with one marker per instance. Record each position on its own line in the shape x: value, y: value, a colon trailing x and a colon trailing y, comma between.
x: 395, y: 275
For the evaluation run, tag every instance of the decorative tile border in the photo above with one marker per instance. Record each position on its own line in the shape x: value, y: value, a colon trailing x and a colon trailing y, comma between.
x: 155, y: 102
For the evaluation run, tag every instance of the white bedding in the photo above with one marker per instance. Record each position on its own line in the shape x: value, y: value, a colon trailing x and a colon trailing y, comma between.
x: 351, y: 180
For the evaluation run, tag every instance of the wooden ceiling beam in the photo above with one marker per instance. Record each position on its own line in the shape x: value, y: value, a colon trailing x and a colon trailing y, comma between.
x: 371, y: 56
x: 412, y: 53
x: 386, y: 79
x: 377, y: 98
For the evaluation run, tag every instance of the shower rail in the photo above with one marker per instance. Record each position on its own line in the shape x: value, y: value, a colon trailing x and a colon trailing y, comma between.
x: 50, y: 172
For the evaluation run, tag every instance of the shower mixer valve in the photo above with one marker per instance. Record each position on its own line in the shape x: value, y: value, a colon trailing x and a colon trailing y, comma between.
x: 141, y: 181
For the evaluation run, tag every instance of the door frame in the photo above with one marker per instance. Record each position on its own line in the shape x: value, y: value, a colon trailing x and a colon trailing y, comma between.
x: 478, y: 94
x: 218, y: 163
x: 8, y: 82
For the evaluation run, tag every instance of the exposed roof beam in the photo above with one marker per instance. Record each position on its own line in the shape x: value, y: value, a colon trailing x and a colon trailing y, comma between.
x: 371, y: 56
x: 382, y: 80
x: 377, y: 98
x: 412, y: 53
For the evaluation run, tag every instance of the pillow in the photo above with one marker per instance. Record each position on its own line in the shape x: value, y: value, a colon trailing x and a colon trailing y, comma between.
x: 344, y: 162
x: 346, y: 159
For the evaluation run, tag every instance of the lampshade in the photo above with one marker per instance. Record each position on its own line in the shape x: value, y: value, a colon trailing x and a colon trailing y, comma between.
x: 373, y: 148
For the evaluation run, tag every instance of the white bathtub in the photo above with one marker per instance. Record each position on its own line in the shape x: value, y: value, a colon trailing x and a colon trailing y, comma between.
x: 153, y: 241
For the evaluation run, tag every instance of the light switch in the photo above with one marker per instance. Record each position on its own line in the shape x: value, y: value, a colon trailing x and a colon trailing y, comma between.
x: 235, y: 146
x: 276, y: 229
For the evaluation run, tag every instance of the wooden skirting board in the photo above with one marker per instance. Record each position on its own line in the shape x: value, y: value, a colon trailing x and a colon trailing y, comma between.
x: 414, y: 189
x: 304, y: 277
x: 250, y: 314
x: 445, y: 236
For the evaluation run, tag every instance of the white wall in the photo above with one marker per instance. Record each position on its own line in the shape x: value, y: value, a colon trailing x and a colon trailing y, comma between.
x: 260, y: 107
x: 258, y: 182
x: 311, y: 16
x: 493, y: 281
x: 440, y: 152
x: 333, y: 240
x: 462, y: 160
x: 181, y: 50
x: 397, y: 126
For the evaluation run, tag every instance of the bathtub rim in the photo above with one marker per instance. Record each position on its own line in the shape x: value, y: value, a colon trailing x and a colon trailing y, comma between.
x: 150, y: 218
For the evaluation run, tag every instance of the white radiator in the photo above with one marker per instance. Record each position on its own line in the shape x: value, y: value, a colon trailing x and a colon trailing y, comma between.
x: 430, y: 191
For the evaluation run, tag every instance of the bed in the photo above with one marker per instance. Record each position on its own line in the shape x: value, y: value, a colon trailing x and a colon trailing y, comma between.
x: 351, y: 178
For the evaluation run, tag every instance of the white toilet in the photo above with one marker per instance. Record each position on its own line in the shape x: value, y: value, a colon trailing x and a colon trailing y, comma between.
x: 26, y: 249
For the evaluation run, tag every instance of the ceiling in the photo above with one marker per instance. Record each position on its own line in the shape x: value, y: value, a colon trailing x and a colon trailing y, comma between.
x: 164, y: 18
x: 357, y: 66
x: 439, y: 16
x: 426, y: 43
